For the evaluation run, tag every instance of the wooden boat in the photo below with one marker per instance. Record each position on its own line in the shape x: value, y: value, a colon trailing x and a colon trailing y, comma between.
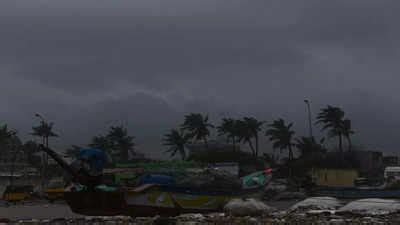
x: 93, y: 199
x: 149, y: 200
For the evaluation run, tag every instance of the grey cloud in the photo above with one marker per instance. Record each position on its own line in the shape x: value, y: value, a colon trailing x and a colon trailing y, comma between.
x: 149, y: 62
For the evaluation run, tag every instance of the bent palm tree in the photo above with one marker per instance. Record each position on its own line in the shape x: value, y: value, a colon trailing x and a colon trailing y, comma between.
x: 332, y: 118
x: 246, y: 134
x: 176, y: 140
x: 197, y: 126
x: 281, y: 136
x: 255, y: 127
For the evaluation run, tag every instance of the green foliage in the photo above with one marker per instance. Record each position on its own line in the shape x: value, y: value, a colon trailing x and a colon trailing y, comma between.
x: 44, y: 130
x: 121, y: 142
x: 229, y: 128
x: 197, y: 126
x: 254, y: 127
x: 117, y: 143
x: 281, y: 136
x: 6, y: 136
x: 176, y: 141
x: 332, y: 119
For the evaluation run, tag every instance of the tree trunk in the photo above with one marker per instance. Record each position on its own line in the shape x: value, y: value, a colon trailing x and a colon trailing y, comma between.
x: 252, y: 148
x: 349, y: 143
x: 182, y: 151
x: 205, y: 142
x: 256, y: 137
x: 290, y: 161
x: 13, y: 165
x: 290, y: 153
x: 234, y: 143
x: 340, y: 142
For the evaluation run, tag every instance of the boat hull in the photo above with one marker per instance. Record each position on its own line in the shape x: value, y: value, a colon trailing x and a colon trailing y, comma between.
x: 96, y: 203
x: 150, y: 202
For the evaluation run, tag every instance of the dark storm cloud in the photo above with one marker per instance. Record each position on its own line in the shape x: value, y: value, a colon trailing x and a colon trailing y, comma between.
x: 83, y: 63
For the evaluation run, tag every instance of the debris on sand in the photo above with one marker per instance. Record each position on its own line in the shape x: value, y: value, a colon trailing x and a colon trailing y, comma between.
x: 316, y: 203
x: 371, y: 206
x: 247, y: 207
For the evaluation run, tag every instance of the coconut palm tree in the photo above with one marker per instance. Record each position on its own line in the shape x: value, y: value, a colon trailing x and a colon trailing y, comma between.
x: 5, y: 135
x: 176, y: 141
x: 7, y: 140
x: 281, y: 136
x: 332, y: 119
x: 347, y: 132
x: 255, y: 127
x: 246, y: 134
x: 229, y: 128
x: 45, y: 131
x: 122, y: 143
x: 197, y: 126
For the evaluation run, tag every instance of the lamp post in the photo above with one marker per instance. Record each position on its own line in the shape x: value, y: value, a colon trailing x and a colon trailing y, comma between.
x: 309, y: 118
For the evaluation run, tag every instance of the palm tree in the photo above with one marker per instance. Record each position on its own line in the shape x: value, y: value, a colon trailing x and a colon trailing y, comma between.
x: 10, y: 142
x: 308, y: 146
x: 229, y: 128
x: 197, y: 126
x: 122, y: 143
x: 332, y: 118
x: 281, y: 135
x: 347, y: 132
x: 255, y: 127
x: 245, y: 134
x: 44, y: 130
x: 5, y: 135
x: 176, y: 141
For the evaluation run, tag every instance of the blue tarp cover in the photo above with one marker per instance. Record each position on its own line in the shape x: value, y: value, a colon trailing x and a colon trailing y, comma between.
x: 96, y: 159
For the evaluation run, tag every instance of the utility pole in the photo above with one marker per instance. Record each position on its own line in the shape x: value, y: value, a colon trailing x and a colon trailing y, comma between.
x: 309, y: 118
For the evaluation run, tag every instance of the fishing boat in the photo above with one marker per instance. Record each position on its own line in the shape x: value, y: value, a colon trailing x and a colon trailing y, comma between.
x: 88, y: 196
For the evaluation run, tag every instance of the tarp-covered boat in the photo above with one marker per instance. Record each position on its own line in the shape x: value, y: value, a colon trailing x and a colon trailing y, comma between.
x: 155, y: 194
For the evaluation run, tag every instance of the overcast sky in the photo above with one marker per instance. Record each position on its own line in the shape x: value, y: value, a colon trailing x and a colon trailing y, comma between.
x: 89, y: 64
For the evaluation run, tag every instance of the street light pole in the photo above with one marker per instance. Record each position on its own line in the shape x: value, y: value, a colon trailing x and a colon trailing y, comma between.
x: 309, y: 118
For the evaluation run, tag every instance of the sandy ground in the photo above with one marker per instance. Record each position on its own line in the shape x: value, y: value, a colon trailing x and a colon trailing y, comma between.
x: 61, y: 210
x: 37, y: 211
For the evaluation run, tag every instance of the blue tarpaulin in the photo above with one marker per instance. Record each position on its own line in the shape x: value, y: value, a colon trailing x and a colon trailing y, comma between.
x: 95, y: 158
